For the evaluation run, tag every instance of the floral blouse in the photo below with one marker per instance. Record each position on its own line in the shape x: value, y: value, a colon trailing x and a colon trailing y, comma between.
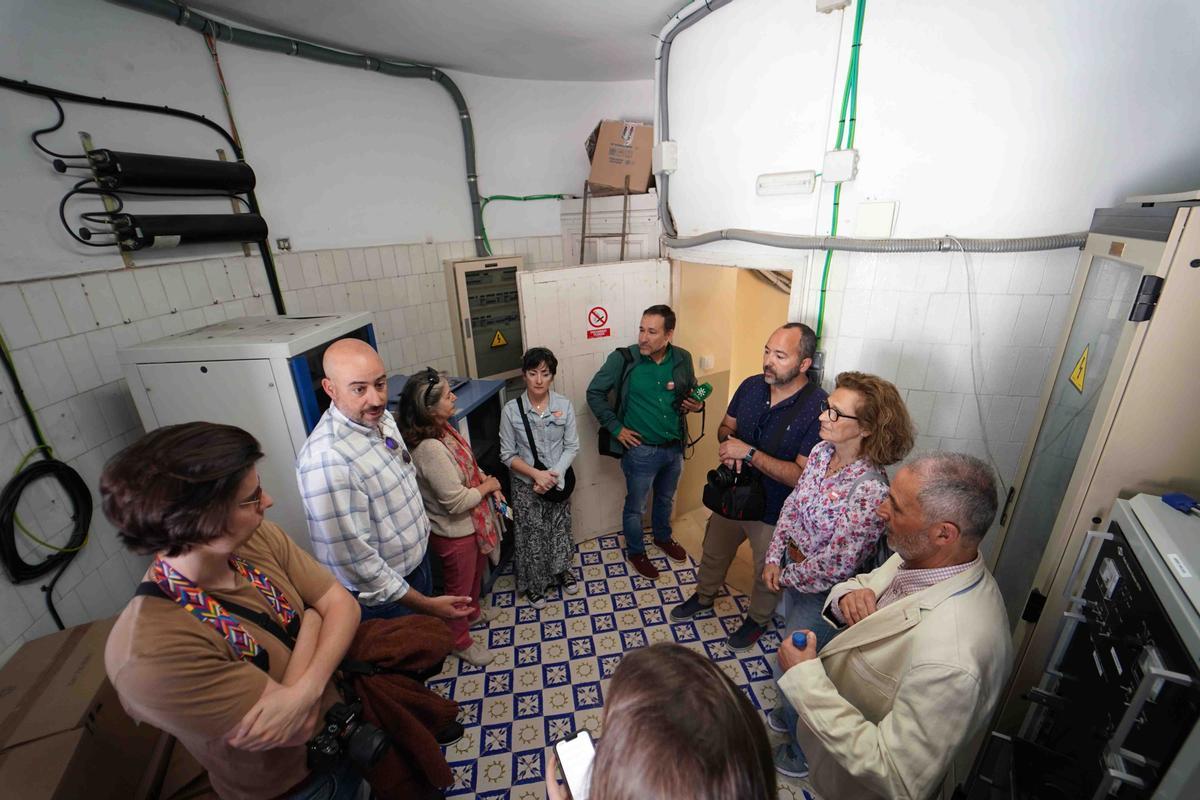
x: 831, y: 520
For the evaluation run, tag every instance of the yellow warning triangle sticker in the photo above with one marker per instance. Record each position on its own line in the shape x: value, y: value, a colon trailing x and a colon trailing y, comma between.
x: 498, y: 340
x: 1079, y: 374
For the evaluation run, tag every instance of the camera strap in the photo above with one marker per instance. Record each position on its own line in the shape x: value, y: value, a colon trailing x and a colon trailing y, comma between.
x: 170, y: 584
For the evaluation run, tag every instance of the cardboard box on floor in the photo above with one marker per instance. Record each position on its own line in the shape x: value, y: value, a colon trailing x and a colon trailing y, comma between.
x: 63, y: 732
x: 621, y: 149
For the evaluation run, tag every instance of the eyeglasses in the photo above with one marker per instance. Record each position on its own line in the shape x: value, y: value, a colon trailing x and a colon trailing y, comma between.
x: 255, y: 499
x: 834, y: 414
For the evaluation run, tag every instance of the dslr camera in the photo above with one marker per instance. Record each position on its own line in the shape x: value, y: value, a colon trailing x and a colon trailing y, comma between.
x: 722, y: 477
x: 346, y: 735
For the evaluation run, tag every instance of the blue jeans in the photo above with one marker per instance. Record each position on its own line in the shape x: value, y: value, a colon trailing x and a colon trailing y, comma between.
x: 649, y: 466
x: 340, y: 783
x: 801, y: 611
x: 420, y: 579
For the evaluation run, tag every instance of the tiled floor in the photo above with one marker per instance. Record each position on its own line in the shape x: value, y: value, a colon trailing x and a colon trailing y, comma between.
x: 553, y: 666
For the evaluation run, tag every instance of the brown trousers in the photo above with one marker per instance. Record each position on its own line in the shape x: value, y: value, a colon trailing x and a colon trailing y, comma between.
x: 722, y: 537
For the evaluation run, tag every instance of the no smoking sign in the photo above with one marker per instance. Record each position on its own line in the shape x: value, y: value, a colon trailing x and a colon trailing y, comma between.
x: 597, y: 318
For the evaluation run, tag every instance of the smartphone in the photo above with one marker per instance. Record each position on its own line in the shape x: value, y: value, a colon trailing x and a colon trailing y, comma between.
x: 575, y: 754
x: 503, y: 509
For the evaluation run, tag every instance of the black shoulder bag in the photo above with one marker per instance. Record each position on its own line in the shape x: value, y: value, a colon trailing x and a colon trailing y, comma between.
x: 606, y: 442
x: 554, y: 495
x: 742, y: 496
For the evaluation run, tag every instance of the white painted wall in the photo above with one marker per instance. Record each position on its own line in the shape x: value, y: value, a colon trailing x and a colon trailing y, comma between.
x: 983, y: 119
x: 343, y: 157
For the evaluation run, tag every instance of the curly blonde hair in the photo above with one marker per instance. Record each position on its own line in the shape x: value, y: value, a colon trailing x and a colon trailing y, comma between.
x: 881, y: 412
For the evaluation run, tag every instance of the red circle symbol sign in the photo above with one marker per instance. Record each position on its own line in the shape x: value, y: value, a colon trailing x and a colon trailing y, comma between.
x: 597, y: 316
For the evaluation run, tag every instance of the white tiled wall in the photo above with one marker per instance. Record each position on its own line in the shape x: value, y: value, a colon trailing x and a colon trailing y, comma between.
x: 907, y: 318
x: 64, y: 334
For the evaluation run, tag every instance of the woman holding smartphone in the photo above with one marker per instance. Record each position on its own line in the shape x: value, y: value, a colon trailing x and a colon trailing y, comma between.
x: 674, y: 726
x: 458, y: 496
x: 538, y: 442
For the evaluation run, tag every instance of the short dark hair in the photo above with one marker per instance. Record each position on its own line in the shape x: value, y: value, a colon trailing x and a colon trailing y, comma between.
x: 173, y: 489
x: 422, y: 391
x: 808, y: 338
x: 536, y: 356
x: 675, y: 725
x: 665, y: 312
x: 957, y: 488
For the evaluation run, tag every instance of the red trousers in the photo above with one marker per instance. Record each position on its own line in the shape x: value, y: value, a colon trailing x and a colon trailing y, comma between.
x: 462, y: 573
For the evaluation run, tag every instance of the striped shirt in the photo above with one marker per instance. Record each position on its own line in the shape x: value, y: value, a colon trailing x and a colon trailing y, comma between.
x: 907, y: 582
x: 364, y: 509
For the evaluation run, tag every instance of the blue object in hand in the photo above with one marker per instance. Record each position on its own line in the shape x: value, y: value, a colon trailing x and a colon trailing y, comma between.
x: 800, y: 639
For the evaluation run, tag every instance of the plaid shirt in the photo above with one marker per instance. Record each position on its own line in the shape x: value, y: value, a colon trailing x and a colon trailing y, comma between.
x: 363, y: 505
x: 907, y: 582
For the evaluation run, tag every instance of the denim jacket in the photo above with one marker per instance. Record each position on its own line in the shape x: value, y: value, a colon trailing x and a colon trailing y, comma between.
x: 555, y: 435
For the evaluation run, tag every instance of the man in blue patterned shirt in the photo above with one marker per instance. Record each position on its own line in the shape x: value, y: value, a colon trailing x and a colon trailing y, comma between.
x: 364, y: 510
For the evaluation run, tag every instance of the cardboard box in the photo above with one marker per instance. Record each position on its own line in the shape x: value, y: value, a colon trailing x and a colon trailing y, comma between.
x: 63, y: 732
x: 621, y: 149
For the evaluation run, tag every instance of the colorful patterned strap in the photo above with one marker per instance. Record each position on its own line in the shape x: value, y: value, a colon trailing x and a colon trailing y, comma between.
x: 202, y: 606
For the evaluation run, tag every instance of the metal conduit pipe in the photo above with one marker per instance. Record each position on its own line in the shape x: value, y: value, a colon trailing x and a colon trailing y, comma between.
x: 943, y: 244
x: 700, y: 9
x: 182, y: 15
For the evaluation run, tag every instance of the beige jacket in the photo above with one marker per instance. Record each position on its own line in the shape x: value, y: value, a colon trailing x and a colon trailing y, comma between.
x: 889, y: 700
x: 448, y: 501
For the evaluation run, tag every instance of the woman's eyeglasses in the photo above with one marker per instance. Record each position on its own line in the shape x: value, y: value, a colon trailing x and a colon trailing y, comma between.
x: 834, y: 414
x: 255, y: 499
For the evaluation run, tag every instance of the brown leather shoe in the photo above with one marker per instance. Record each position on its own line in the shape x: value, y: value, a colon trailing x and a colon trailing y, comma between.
x: 673, y: 549
x: 641, y: 562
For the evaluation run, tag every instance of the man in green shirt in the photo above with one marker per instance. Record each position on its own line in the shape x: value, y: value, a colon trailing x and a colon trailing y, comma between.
x: 652, y: 383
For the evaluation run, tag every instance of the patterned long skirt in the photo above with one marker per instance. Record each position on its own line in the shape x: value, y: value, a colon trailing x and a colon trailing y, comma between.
x: 544, y: 544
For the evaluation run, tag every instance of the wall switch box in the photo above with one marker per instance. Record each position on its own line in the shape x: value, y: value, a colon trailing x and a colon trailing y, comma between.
x: 827, y: 6
x: 665, y: 157
x: 707, y: 363
x: 786, y: 183
x: 840, y: 166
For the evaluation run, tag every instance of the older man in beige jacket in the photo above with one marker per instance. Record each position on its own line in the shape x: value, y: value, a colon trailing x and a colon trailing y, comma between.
x: 921, y: 665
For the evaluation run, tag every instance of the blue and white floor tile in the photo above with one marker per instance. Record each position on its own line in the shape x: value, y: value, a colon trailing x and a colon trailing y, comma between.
x: 553, y: 666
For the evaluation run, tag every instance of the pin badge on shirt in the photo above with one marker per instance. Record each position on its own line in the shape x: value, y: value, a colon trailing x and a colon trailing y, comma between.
x: 670, y: 386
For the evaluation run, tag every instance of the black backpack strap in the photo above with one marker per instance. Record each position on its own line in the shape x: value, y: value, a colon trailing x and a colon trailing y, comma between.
x: 537, y: 462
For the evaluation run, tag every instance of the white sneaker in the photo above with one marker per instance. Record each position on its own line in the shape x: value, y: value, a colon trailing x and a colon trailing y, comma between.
x: 476, y: 654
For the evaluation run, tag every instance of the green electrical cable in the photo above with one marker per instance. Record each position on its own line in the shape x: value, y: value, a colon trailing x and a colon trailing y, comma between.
x: 487, y: 244
x: 850, y: 112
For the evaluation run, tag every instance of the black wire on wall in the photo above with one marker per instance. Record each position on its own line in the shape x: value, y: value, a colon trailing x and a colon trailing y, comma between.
x: 264, y: 249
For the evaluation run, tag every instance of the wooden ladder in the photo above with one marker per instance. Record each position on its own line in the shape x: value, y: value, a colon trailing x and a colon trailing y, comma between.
x: 584, y: 235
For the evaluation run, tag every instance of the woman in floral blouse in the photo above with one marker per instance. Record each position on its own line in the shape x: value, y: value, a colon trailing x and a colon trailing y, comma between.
x: 828, y: 527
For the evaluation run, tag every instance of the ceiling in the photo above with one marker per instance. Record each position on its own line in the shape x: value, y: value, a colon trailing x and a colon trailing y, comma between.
x: 571, y: 40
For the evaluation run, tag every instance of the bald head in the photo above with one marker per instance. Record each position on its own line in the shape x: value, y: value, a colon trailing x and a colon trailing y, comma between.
x: 355, y: 380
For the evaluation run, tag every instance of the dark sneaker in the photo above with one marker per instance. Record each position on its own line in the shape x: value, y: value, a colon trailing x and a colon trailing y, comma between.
x: 777, y: 720
x: 641, y: 562
x: 745, y: 637
x: 568, y: 583
x: 536, y: 599
x: 673, y: 549
x: 790, y: 761
x: 449, y: 734
x: 689, y: 608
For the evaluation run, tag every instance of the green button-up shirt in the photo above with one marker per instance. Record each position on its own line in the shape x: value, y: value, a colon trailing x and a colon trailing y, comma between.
x: 648, y: 407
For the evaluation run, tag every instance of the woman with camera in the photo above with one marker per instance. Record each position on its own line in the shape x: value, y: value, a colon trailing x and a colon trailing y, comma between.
x: 538, y: 442
x: 828, y: 527
x: 460, y: 500
x: 230, y: 641
x: 675, y: 726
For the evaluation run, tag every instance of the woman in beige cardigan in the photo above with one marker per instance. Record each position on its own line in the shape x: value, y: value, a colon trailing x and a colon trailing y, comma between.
x: 458, y: 498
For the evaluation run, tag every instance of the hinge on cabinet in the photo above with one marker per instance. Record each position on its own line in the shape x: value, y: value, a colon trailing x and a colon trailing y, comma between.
x: 1033, y: 606
x: 1147, y: 298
